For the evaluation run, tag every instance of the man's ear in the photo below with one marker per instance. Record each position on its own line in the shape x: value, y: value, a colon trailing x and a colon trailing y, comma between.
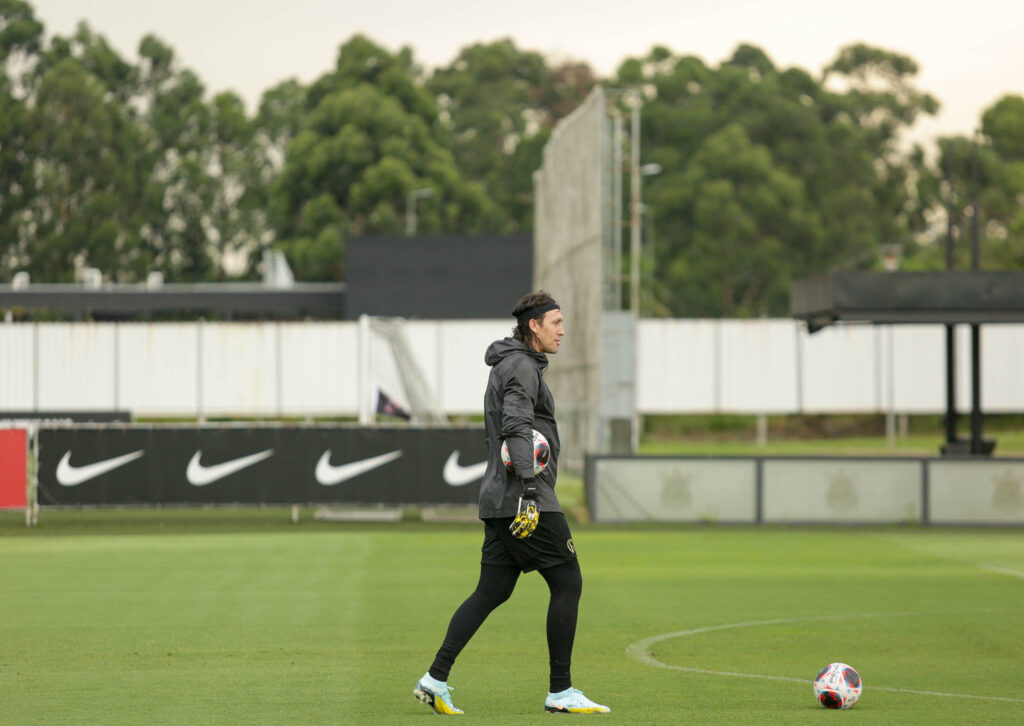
x: 534, y: 325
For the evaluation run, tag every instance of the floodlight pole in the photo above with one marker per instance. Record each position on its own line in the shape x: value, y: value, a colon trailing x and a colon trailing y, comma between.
x: 636, y: 174
x: 951, y: 436
x: 977, y: 447
x: 410, y: 208
x: 634, y: 189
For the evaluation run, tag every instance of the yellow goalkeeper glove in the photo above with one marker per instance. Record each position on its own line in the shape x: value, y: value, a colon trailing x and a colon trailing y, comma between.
x: 527, y: 517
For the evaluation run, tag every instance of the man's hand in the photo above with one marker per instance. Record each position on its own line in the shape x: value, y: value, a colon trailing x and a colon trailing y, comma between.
x: 527, y: 517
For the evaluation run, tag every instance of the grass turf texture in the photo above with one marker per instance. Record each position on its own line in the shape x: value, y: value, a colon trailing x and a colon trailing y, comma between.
x: 1008, y: 443
x: 164, y: 617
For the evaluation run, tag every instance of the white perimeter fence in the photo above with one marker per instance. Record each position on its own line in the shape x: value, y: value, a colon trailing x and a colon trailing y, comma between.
x: 767, y: 366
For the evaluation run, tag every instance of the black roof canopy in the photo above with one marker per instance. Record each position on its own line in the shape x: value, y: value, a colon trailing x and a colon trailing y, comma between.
x: 230, y: 300
x: 947, y: 298
x: 909, y: 297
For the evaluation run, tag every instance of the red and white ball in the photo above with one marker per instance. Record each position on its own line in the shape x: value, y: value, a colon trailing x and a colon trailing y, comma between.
x: 541, y: 453
x: 837, y: 686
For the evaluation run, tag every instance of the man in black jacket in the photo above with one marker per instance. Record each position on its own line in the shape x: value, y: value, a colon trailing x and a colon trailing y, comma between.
x: 524, y: 527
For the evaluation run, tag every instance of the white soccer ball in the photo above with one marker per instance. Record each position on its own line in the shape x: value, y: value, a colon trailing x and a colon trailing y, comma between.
x: 837, y: 686
x: 541, y: 453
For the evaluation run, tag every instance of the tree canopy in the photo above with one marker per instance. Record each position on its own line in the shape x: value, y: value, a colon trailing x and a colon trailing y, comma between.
x: 771, y: 174
x: 130, y: 165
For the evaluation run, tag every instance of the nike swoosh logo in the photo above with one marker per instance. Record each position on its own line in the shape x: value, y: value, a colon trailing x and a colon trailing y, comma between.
x: 329, y: 475
x: 199, y: 475
x: 456, y: 475
x: 70, y: 476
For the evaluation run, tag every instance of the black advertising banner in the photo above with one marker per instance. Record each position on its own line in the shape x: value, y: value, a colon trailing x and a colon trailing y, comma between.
x: 260, y: 465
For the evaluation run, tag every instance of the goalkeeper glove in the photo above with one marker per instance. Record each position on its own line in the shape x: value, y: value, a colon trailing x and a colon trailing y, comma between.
x: 527, y: 517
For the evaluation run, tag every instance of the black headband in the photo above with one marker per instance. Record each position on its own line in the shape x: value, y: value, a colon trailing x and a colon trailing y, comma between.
x: 536, y: 311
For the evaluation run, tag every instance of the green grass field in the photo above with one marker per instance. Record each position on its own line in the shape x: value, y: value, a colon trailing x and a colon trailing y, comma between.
x: 1008, y: 443
x: 239, y: 617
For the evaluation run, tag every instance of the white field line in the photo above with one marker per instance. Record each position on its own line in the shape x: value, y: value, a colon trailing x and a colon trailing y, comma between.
x: 1001, y: 570
x: 640, y: 650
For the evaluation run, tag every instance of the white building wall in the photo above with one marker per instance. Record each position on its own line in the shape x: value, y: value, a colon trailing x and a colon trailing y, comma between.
x: 313, y: 368
x: 839, y: 370
x: 676, y: 366
x: 459, y: 361
x: 157, y: 368
x: 758, y: 366
x: 17, y: 363
x: 319, y: 370
x: 238, y: 369
x: 76, y: 366
x: 1002, y: 368
x: 918, y: 368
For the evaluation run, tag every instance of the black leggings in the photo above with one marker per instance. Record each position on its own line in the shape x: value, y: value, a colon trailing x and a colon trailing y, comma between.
x: 495, y: 587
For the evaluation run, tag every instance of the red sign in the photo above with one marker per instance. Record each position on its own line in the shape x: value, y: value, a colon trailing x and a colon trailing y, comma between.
x: 13, y: 468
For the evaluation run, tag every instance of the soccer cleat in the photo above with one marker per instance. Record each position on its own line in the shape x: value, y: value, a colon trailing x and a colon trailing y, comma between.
x: 572, y: 700
x: 435, y: 694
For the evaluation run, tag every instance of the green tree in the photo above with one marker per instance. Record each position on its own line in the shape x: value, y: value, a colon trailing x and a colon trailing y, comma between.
x: 816, y: 177
x: 1003, y: 125
x: 87, y: 173
x: 209, y: 222
x: 499, y: 103
x: 877, y: 102
x: 987, y: 170
x: 748, y: 219
x: 370, y: 137
x: 121, y: 165
x: 20, y: 37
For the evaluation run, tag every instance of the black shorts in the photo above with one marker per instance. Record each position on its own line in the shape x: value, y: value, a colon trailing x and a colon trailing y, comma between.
x: 549, y: 545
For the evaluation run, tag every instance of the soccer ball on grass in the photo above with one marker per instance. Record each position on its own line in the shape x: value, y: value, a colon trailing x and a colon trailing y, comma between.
x: 837, y: 686
x: 541, y: 453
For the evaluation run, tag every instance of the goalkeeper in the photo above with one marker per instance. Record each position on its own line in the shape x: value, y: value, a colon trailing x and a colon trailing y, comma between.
x: 524, y: 527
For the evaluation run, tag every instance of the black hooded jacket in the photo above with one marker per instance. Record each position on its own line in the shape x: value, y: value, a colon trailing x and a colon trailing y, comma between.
x: 517, y: 401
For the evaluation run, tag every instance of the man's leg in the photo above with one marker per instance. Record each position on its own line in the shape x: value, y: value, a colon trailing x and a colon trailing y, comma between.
x: 566, y: 584
x: 495, y: 586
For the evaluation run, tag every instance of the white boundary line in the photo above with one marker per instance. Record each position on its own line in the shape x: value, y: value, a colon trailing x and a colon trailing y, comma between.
x: 640, y: 650
x: 1001, y: 570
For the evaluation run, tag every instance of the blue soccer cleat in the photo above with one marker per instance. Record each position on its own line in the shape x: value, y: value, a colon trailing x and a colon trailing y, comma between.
x: 435, y: 694
x: 572, y: 700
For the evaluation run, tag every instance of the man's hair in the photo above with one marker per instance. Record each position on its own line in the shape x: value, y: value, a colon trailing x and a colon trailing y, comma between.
x: 539, y: 299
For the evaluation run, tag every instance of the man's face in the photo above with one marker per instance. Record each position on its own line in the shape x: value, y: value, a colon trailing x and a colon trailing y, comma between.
x: 548, y: 331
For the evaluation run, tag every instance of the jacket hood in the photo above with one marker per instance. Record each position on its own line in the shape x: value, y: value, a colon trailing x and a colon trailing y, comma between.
x: 501, y: 349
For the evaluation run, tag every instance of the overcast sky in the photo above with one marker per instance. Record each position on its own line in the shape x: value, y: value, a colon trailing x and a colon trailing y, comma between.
x: 970, y: 53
